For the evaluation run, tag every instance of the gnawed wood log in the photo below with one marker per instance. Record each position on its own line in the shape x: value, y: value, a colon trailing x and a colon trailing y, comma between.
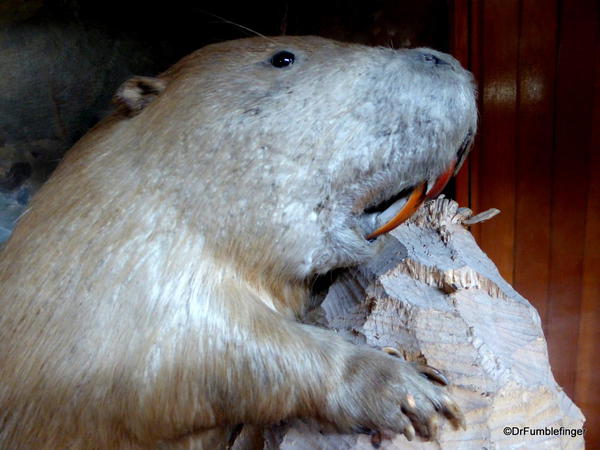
x: 436, y: 296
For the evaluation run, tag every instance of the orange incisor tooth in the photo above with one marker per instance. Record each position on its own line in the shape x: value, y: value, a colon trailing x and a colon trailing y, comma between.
x: 441, y: 181
x: 417, y: 197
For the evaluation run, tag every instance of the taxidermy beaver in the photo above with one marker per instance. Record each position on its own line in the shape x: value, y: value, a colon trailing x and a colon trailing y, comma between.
x: 151, y: 293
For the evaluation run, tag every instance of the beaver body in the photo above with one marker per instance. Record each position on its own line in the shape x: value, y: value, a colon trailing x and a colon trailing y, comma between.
x: 153, y: 289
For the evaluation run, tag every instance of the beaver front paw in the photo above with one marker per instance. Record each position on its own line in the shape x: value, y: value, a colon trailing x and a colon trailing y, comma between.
x: 388, y: 395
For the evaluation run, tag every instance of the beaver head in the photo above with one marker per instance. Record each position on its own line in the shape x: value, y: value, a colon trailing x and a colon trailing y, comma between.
x: 295, y: 153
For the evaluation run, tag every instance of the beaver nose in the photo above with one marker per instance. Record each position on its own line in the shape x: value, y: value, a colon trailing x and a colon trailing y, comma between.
x: 433, y: 59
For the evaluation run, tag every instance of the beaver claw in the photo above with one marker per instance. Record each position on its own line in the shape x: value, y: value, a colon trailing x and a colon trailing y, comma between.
x: 429, y: 372
x: 433, y: 374
x: 453, y: 414
x: 377, y: 436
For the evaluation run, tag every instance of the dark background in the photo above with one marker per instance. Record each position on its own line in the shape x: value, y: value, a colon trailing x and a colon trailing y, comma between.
x: 536, y: 156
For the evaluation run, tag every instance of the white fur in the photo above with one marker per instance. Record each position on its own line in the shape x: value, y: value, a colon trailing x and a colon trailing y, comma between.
x: 150, y: 290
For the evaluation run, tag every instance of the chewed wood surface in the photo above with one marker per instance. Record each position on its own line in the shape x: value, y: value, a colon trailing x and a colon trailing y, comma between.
x: 436, y: 296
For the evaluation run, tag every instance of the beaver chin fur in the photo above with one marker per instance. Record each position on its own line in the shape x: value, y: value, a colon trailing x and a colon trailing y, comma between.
x: 151, y: 291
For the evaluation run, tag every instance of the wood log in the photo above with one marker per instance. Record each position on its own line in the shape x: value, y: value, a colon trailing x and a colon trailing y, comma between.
x: 435, y: 295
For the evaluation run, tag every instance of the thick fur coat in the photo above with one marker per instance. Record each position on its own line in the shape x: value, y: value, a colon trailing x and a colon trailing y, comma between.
x: 153, y: 289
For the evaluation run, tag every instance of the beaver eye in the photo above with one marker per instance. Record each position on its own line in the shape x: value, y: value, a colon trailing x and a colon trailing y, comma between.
x: 283, y: 59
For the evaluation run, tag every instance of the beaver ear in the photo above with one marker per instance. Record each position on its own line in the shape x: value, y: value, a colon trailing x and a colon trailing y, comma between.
x: 138, y: 92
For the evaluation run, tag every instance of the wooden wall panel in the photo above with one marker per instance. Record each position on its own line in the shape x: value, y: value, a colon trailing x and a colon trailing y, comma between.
x: 535, y: 137
x: 574, y: 92
x: 537, y: 64
x: 587, y: 389
x: 497, y: 131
